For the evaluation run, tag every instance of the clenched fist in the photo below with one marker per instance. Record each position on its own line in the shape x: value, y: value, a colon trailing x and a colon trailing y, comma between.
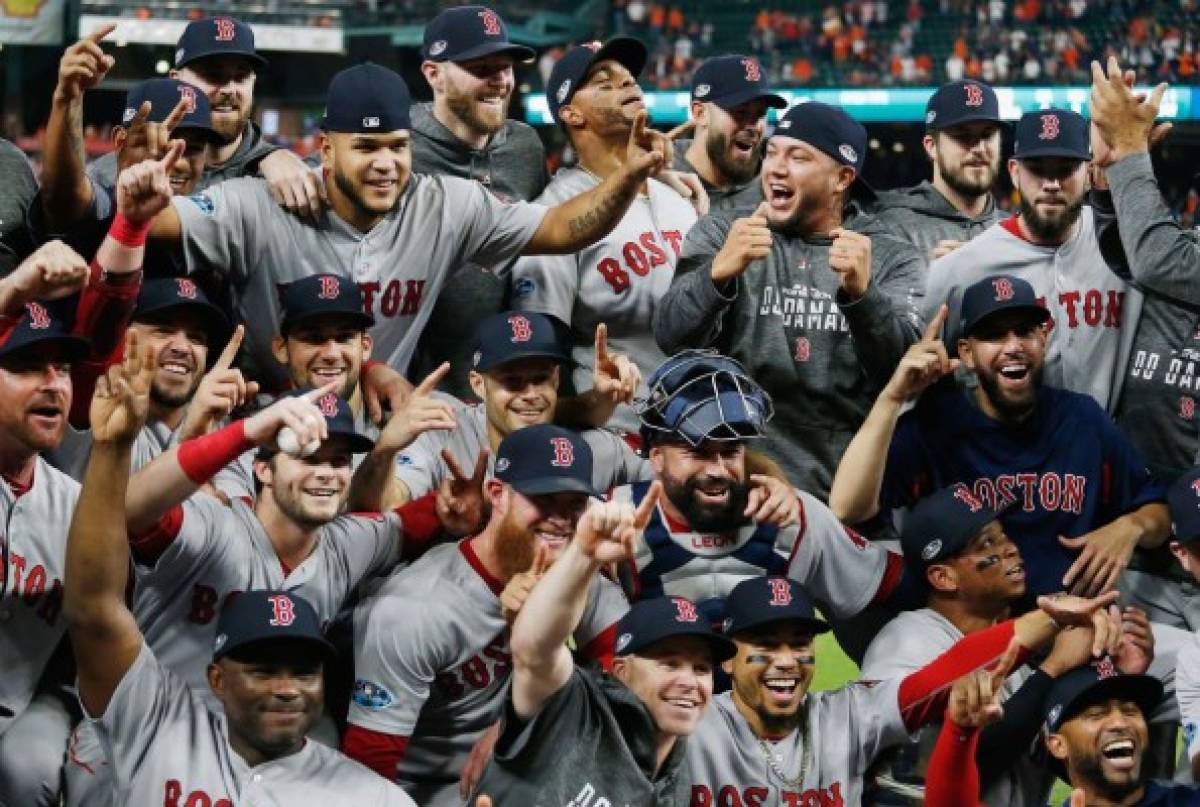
x: 749, y: 239
x: 850, y: 257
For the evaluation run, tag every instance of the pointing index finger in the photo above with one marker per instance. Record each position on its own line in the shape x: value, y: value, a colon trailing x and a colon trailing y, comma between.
x: 312, y: 395
x: 101, y: 32
x: 933, y: 330
x: 174, y: 152
x: 176, y: 115
x: 682, y: 129
x: 225, y: 360
x: 601, y: 343
x: 433, y: 379
x: 641, y: 516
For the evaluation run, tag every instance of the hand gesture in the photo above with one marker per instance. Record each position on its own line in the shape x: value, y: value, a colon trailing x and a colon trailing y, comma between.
x: 381, y: 384
x: 52, y: 272
x: 1125, y: 120
x: 83, y: 65
x: 146, y: 139
x: 772, y: 501
x: 299, y: 413
x: 295, y: 186
x: 1136, y: 649
x: 850, y: 257
x: 608, y: 532
x: 461, y: 506
x: 421, y: 412
x: 648, y: 151
x: 1067, y: 610
x: 1072, y: 647
x: 121, y: 400
x: 975, y: 698
x: 144, y: 189
x: 477, y: 760
x: 923, y: 364
x: 222, y: 390
x: 749, y: 239
x: 613, y: 375
x: 687, y: 185
x: 1103, y: 556
x: 517, y: 590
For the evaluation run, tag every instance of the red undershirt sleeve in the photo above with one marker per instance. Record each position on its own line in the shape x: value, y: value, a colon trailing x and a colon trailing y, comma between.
x: 421, y: 525
x: 149, y: 545
x: 952, y: 780
x: 378, y: 751
x: 102, y: 315
x: 601, y: 648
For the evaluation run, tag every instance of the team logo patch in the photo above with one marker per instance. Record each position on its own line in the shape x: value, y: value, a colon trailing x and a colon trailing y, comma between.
x: 622, y: 642
x: 702, y: 90
x: 1189, y: 733
x: 437, y: 48
x: 931, y: 549
x: 1052, y: 718
x: 222, y: 638
x: 178, y: 55
x: 785, y: 124
x: 204, y: 202
x: 930, y: 117
x: 848, y: 152
x: 563, y: 91
x: 371, y: 695
x: 371, y: 122
x: 404, y: 459
x: 127, y: 115
x: 502, y: 464
x: 524, y: 287
x: 39, y: 317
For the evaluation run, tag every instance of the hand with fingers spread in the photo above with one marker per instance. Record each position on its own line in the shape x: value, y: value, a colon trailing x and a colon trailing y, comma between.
x: 850, y: 257
x: 609, y: 532
x: 1125, y: 120
x: 383, y: 389
x: 975, y: 698
x: 461, y: 506
x: 299, y: 413
x: 925, y: 362
x: 83, y: 66
x: 222, y: 390
x: 121, y: 401
x: 146, y: 139
x: 1136, y: 649
x: 518, y: 588
x: 772, y: 501
x: 614, y: 376
x: 295, y: 186
x: 52, y: 272
x: 648, y: 151
x: 420, y: 413
x: 749, y: 240
x: 1104, y: 554
x: 144, y: 189
x: 1066, y: 610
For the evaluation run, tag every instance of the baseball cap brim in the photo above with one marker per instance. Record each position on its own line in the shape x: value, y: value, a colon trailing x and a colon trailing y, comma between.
x: 722, y: 647
x: 1144, y: 690
x: 736, y: 99
x: 259, y: 61
x: 210, y: 134
x: 968, y: 117
x: 556, y: 355
x: 74, y: 347
x: 519, y: 52
x: 357, y: 317
x: 1053, y: 151
x: 263, y: 646
x: 1035, y: 313
x: 813, y: 626
x: 358, y: 443
x: 214, y: 321
x: 542, y: 485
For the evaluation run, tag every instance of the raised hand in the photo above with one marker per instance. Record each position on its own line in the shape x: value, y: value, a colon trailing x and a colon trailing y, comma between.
x: 1136, y: 648
x: 144, y: 189
x: 420, y: 412
x: 1104, y: 554
x: 975, y: 698
x: 53, y: 271
x: 749, y: 239
x: 613, y: 375
x: 1066, y: 610
x: 381, y: 385
x: 648, y: 151
x: 517, y: 590
x: 850, y: 257
x: 299, y: 413
x: 772, y: 501
x: 923, y: 364
x: 146, y: 139
x: 222, y: 390
x: 460, y: 505
x: 121, y: 400
x: 83, y: 65
x: 1125, y: 120
x: 608, y: 532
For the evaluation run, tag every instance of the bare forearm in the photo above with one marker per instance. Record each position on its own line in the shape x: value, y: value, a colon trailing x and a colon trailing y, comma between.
x: 1035, y: 629
x: 854, y: 495
x: 1151, y: 523
x: 588, y: 409
x: 97, y: 551
x: 586, y: 218
x: 66, y: 192
x: 155, y: 489
x: 369, y: 485
x: 553, y: 609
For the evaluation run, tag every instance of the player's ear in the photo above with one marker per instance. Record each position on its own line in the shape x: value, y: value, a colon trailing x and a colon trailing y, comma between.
x: 432, y: 72
x: 621, y: 669
x: 929, y: 141
x: 571, y: 116
x: 964, y: 354
x: 325, y: 144
x: 942, y: 577
x: 1014, y: 168
x: 279, y: 349
x: 367, y: 345
x: 1056, y: 744
x: 699, y: 111
x: 658, y: 458
x: 477, y: 385
x: 216, y: 679
x: 844, y: 178
x: 727, y: 666
x: 1186, y: 559
x: 495, y: 490
x: 118, y: 136
x: 264, y: 472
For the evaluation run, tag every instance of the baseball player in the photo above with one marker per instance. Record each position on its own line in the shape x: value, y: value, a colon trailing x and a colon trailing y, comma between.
x: 962, y: 141
x: 809, y: 297
x: 771, y: 741
x: 594, y: 96
x: 163, y: 744
x: 716, y: 524
x: 1052, y: 244
x: 398, y: 235
x: 470, y: 65
x: 730, y: 98
x: 1085, y: 498
x: 432, y: 656
x: 516, y: 375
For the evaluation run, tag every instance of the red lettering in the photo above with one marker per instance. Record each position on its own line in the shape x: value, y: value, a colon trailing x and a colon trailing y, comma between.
x: 711, y: 541
x: 198, y: 798
x: 283, y: 611
x: 369, y: 290
x: 701, y: 797
x: 1049, y: 491
x: 756, y: 796
x: 729, y: 797
x: 636, y: 259
x: 475, y: 673
x: 225, y: 29
x: 172, y: 793
x: 1072, y: 496
x: 1093, y: 306
x: 1112, y: 312
x: 35, y: 584
x: 675, y: 239
x: 613, y: 274
x: 389, y: 306
x: 204, y: 604
x: 496, y: 652
x: 1070, y: 299
x: 1004, y: 491
x: 1028, y: 483
x: 986, y: 491
x: 657, y: 256
x: 414, y: 291
x: 18, y: 568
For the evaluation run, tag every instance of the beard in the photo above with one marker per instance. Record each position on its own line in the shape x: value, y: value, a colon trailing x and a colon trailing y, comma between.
x: 466, y: 108
x: 720, y: 153
x: 229, y: 125
x: 703, y: 517
x: 1089, y: 769
x: 960, y: 183
x: 348, y: 189
x: 1012, y: 410
x: 515, y: 548
x: 171, y: 400
x: 1050, y: 228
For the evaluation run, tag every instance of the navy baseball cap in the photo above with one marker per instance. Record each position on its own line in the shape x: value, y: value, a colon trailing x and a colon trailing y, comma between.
x: 367, y: 99
x: 830, y: 129
x: 1183, y: 502
x: 469, y: 32
x: 571, y: 70
x: 732, y: 80
x: 651, y: 621
x: 169, y: 294
x: 1094, y: 682
x: 339, y: 419
x: 268, y: 616
x: 1052, y: 133
x: 997, y: 293
x: 940, y: 526
x: 323, y: 294
x: 512, y: 335
x: 40, y: 327
x: 163, y: 95
x: 961, y: 102
x: 216, y: 36
x: 700, y: 395
x: 544, y: 459
x: 758, y: 601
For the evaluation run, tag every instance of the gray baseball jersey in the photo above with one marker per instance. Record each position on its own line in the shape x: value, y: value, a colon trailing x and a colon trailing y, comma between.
x: 1088, y: 303
x: 71, y: 454
x: 432, y: 662
x: 618, y: 280
x: 166, y: 747
x: 31, y: 593
x: 16, y: 193
x: 439, y: 224
x: 845, y: 729
x: 421, y: 467
x: 1187, y: 693
x: 912, y: 640
x: 220, y: 551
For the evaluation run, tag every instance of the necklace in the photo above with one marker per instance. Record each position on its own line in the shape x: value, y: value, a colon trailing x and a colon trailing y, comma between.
x: 805, y: 758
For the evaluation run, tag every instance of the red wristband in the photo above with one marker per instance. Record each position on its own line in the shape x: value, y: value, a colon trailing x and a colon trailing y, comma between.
x: 125, y: 232
x: 201, y: 457
x: 421, y: 525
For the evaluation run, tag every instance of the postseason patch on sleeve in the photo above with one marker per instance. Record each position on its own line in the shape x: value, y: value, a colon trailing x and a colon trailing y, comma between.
x: 524, y: 287
x: 371, y: 695
x: 204, y: 202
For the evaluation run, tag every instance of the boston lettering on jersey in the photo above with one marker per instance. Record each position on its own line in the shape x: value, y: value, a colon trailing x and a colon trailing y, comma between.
x: 802, y: 306
x: 494, y: 663
x: 174, y: 796
x: 395, y: 298
x: 1049, y: 491
x: 730, y: 796
x: 29, y: 587
x: 639, y: 257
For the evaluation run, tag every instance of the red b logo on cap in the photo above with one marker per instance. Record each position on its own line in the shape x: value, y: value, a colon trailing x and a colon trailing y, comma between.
x: 1004, y: 289
x: 522, y: 328
x: 185, y: 288
x: 330, y: 289
x: 491, y: 22
x: 328, y: 405
x: 1050, y: 127
x: 753, y: 72
x: 781, y: 592
x: 564, y: 452
x: 39, y: 317
x: 225, y: 29
x: 974, y: 95
x: 685, y: 611
x: 283, y: 610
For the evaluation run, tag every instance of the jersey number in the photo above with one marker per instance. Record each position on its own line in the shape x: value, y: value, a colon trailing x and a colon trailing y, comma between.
x: 493, y: 664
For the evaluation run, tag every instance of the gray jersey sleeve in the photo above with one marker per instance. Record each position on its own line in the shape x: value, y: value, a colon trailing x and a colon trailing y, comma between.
x: 420, y: 466
x: 493, y: 232
x: 614, y: 462
x: 1187, y: 693
x: 368, y: 544
x: 605, y: 606
x: 205, y: 525
x: 872, y: 717
x: 903, y: 646
x: 236, y: 480
x: 839, y: 567
x: 546, y: 284
x: 226, y: 226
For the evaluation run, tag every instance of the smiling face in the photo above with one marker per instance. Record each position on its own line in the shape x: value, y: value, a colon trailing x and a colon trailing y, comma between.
x: 705, y: 484
x: 989, y: 571
x: 528, y: 520
x: 228, y: 81
x: 1052, y: 191
x: 966, y: 156
x: 319, y: 350
x: 801, y: 184
x: 185, y: 172
x: 732, y: 138
x: 477, y: 91
x: 311, y: 491
x: 35, y: 398
x: 1006, y: 351
x: 369, y: 171
x: 674, y: 679
x: 771, y: 674
x: 519, y: 393
x: 607, y: 102
x: 180, y: 341
x: 1102, y: 747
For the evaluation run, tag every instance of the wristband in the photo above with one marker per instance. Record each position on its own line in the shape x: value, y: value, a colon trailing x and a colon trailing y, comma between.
x: 202, y: 457
x: 128, y: 234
